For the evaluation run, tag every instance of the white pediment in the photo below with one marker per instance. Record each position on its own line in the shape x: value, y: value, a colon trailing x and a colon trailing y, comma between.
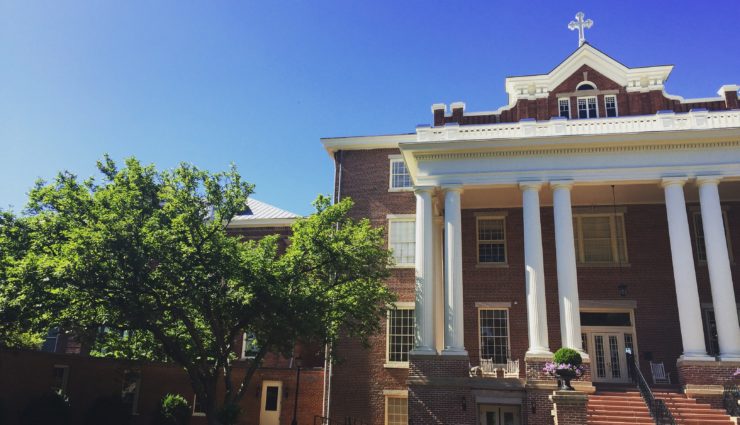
x: 633, y: 79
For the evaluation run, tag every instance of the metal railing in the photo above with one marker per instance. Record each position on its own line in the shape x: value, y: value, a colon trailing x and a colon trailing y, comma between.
x: 731, y: 398
x: 321, y: 420
x: 658, y: 409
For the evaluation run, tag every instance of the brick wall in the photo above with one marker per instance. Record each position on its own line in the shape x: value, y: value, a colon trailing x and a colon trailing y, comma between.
x: 26, y: 374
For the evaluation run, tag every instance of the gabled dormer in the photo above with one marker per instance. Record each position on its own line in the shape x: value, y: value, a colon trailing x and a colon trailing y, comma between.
x: 587, y: 84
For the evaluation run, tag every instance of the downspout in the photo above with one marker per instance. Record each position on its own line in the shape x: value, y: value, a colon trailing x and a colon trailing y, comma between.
x: 328, y: 364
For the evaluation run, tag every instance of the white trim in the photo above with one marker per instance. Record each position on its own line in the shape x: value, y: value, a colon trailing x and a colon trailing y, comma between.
x: 391, y: 218
x: 584, y: 82
x: 394, y: 364
x: 617, y: 259
x: 261, y: 222
x: 404, y: 305
x: 492, y: 217
x: 508, y: 329
x: 387, y: 397
x: 398, y: 159
x: 586, y: 100
x: 616, y: 106
x: 493, y: 304
x: 396, y: 393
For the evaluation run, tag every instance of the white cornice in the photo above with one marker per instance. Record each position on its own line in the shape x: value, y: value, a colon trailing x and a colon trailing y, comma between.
x: 333, y: 144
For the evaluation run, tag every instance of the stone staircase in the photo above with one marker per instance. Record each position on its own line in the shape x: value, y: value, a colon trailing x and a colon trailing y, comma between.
x: 628, y: 407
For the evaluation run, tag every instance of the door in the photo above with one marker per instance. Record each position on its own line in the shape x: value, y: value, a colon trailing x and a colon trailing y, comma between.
x: 609, y: 363
x: 499, y: 415
x: 270, y: 405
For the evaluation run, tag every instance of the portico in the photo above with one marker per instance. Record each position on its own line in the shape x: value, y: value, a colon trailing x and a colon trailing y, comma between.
x: 567, y: 173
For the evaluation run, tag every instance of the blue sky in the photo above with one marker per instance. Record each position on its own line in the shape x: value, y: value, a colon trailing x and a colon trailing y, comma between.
x: 258, y: 83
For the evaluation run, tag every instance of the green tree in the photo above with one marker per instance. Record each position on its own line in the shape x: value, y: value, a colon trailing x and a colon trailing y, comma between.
x: 149, y: 251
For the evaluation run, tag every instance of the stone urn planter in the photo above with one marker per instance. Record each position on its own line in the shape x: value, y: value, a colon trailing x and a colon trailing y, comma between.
x: 566, y: 365
x: 565, y: 376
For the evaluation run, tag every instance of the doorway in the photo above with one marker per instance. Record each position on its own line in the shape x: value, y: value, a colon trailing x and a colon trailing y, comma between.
x: 270, y: 404
x: 499, y: 415
x: 606, y: 337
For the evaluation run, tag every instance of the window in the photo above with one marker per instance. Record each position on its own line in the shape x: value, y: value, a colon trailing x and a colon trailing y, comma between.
x: 249, y: 346
x: 401, y: 240
x: 400, y: 177
x: 585, y: 86
x: 401, y: 325
x: 396, y: 410
x: 491, y: 240
x: 587, y: 107
x: 610, y: 104
x: 701, y: 250
x: 60, y: 378
x: 600, y: 238
x: 271, y: 399
x: 197, y: 407
x: 564, y: 107
x: 710, y: 331
x: 130, y: 389
x: 50, y: 342
x: 494, y: 334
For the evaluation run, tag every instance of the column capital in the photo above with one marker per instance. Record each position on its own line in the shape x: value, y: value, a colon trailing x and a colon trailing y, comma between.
x: 530, y: 185
x: 561, y: 184
x: 452, y: 188
x: 670, y: 181
x: 711, y: 180
x: 423, y: 189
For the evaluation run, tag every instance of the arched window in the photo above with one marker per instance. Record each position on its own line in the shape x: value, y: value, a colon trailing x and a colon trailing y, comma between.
x: 586, y: 85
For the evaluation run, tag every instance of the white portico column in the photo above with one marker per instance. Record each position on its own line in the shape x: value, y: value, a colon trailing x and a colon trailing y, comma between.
x: 534, y: 270
x: 718, y: 262
x: 454, y: 333
x: 684, y: 274
x: 424, y: 308
x: 570, y: 312
x: 439, y: 284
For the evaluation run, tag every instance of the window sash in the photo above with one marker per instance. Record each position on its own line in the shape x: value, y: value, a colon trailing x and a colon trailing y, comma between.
x: 612, y: 242
x: 700, y: 244
x: 396, y: 410
x: 564, y: 108
x: 610, y: 105
x: 400, y: 177
x: 402, y: 240
x: 401, y: 334
x: 493, y: 334
x: 491, y: 233
x: 587, y: 107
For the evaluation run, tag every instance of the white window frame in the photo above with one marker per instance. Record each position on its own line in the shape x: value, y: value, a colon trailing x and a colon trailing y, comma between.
x: 501, y: 217
x: 508, y: 331
x: 243, y: 355
x: 197, y: 412
x: 564, y: 101
x: 725, y: 225
x: 616, y: 106
x: 396, y: 159
x: 398, y: 395
x: 410, y: 305
x: 586, y: 99
x: 581, y: 254
x: 65, y: 377
x: 399, y: 218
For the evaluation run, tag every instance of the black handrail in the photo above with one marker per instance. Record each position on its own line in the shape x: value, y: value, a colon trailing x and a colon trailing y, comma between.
x: 658, y: 410
x: 321, y: 420
x: 731, y: 398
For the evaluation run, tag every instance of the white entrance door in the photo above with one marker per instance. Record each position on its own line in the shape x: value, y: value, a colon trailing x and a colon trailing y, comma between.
x: 270, y: 407
x: 499, y: 415
x: 609, y: 362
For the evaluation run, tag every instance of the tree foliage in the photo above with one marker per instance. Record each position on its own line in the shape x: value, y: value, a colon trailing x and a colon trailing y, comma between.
x: 149, y: 252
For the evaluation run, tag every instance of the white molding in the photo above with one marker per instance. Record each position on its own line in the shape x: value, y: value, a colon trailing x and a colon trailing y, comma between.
x: 408, y: 217
x: 493, y: 304
x: 404, y: 305
x: 261, y: 222
x: 396, y: 393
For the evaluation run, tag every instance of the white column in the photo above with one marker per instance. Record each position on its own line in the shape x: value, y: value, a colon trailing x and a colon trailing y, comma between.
x: 454, y: 333
x: 570, y: 311
x: 439, y: 284
x: 534, y: 270
x: 684, y: 274
x: 718, y: 262
x: 424, y: 309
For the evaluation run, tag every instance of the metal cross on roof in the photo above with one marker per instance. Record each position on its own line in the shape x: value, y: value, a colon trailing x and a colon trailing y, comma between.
x: 581, y: 25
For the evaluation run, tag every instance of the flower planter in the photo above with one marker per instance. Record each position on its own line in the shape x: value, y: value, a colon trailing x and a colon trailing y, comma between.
x: 565, y: 376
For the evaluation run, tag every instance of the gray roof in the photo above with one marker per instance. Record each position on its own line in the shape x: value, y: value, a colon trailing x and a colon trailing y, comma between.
x: 258, y: 210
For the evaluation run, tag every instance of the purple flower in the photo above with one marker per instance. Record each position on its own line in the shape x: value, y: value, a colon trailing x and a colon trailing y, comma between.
x: 737, y: 373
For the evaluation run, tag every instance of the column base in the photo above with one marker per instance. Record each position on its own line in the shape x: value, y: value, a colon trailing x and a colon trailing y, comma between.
x: 454, y: 351
x: 729, y: 357
x: 423, y: 351
x: 696, y: 357
x: 538, y: 353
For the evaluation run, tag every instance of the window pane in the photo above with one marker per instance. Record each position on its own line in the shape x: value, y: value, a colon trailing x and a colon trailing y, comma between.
x: 400, y: 334
x: 271, y: 399
x: 494, y: 335
x: 591, y: 107
x: 490, y: 230
x: 402, y: 237
x: 611, y: 106
x: 397, y: 411
x: 491, y: 241
x: 582, y: 110
x: 597, y: 242
x: 399, y: 174
x: 564, y: 106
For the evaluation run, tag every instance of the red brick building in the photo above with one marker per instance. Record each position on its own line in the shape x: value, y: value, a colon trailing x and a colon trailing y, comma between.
x: 594, y: 211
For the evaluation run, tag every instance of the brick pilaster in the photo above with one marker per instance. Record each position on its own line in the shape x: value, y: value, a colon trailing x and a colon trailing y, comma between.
x: 569, y: 407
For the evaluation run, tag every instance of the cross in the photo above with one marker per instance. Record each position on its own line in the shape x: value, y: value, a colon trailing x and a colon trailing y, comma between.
x: 581, y: 26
